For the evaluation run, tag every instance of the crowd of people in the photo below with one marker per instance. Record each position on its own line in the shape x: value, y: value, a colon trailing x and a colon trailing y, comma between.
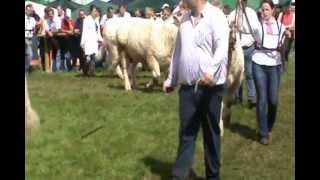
x: 64, y: 43
x: 199, y: 62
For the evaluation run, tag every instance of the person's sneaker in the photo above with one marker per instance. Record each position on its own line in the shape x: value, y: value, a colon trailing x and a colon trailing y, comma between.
x: 264, y: 141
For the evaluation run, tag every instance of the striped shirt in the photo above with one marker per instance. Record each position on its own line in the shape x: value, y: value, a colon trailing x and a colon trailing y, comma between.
x: 201, y: 48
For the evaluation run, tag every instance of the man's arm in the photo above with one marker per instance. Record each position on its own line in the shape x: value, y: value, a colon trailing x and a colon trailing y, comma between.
x: 172, y: 79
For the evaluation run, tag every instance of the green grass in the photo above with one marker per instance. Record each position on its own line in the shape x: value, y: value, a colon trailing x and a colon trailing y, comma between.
x: 91, y: 129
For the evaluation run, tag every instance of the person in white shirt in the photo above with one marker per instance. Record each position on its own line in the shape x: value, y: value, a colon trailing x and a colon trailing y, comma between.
x: 29, y: 30
x: 267, y: 68
x: 199, y: 65
x: 247, y: 42
x: 122, y: 12
x: 107, y: 16
x: 90, y: 40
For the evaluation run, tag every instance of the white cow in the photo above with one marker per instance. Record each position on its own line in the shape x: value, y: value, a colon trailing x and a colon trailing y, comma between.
x: 235, y: 75
x: 134, y: 40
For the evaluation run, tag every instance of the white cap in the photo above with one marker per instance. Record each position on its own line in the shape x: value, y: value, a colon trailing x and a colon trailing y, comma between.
x: 165, y: 5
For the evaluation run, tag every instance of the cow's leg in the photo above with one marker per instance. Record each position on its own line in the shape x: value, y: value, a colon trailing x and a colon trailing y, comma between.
x: 155, y: 68
x: 123, y: 58
x: 115, y: 59
x: 226, y: 116
x: 133, y: 72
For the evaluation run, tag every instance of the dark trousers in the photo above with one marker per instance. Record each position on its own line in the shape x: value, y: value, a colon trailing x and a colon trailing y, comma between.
x: 90, y: 64
x: 267, y: 81
x: 65, y: 43
x: 199, y: 108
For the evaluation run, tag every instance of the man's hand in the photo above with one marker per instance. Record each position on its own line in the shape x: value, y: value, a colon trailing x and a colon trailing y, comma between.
x: 168, y: 89
x: 207, y: 80
x: 49, y: 33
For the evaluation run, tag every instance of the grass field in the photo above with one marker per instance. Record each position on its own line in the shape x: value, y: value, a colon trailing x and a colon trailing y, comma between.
x: 91, y: 129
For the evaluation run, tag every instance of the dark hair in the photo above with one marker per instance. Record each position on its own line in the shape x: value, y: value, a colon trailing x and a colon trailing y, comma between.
x: 122, y: 5
x: 137, y: 9
x: 270, y: 2
x: 93, y: 7
x: 48, y: 9
x: 82, y: 10
x: 109, y: 9
x: 226, y: 7
x: 62, y: 7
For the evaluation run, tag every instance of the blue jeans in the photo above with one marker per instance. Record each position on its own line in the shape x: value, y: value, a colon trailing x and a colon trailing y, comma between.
x: 249, y: 77
x: 267, y: 81
x: 201, y: 108
x: 57, y: 61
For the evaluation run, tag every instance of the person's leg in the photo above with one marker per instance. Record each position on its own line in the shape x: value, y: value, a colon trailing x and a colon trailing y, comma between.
x: 35, y: 45
x: 211, y: 132
x: 42, y: 54
x: 82, y: 60
x: 68, y: 55
x: 249, y: 76
x: 260, y: 79
x: 92, y: 64
x: 273, y: 91
x: 188, y: 130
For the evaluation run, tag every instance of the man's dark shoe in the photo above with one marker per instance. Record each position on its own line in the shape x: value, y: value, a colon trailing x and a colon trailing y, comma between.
x: 251, y: 103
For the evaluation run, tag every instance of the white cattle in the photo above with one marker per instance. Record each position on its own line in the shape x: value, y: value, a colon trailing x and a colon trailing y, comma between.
x: 134, y: 40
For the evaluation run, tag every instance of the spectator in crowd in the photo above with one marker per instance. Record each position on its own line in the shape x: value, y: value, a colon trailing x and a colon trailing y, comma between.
x: 42, y: 35
x: 287, y: 18
x: 35, y: 41
x: 149, y: 13
x: 276, y: 11
x: 226, y: 10
x: 29, y: 28
x: 78, y: 32
x: 165, y: 13
x: 267, y: 69
x: 180, y: 10
x: 123, y: 11
x: 137, y: 13
x: 51, y: 28
x: 247, y: 42
x: 109, y: 15
x: 90, y: 40
x: 65, y: 40
x: 199, y: 65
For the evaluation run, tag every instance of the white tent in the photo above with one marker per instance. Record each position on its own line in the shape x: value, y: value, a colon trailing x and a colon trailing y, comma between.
x: 39, y: 8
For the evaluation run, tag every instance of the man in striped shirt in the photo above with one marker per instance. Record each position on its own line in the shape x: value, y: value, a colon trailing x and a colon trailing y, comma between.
x: 199, y: 65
